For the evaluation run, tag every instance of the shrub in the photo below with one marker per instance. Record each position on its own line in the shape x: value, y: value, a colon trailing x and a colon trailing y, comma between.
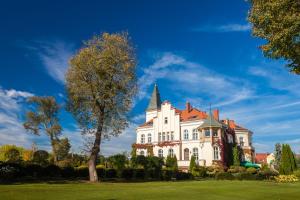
x: 32, y: 170
x: 183, y: 175
x: 236, y: 169
x: 171, y: 163
x: 167, y: 174
x: 247, y: 176
x: 266, y: 174
x: 8, y: 172
x: 68, y: 172
x: 51, y: 171
x: 213, y: 170
x: 82, y: 171
x: 297, y: 173
x: 127, y: 173
x: 100, y: 172
x: 110, y: 173
x: 286, y: 178
x: 224, y: 176
x: 251, y: 170
x: 40, y: 157
x: 12, y: 155
x: 199, y: 172
x: 139, y: 174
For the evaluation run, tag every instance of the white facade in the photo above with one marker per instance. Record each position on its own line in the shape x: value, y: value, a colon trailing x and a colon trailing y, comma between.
x: 170, y: 131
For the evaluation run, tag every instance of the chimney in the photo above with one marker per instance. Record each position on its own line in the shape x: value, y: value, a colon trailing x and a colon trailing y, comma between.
x: 216, y: 114
x: 188, y: 106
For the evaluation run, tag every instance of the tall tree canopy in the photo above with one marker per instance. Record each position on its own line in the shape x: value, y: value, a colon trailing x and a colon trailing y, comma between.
x: 101, y: 82
x: 278, y: 22
x: 44, y: 117
x: 287, y: 162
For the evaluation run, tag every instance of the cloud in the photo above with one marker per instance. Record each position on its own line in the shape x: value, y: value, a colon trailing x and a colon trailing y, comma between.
x: 224, y: 28
x: 193, y: 78
x: 55, y: 57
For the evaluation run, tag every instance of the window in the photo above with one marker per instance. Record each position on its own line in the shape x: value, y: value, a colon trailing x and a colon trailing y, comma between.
x: 215, y: 133
x: 172, y: 135
x: 195, y: 153
x: 186, y: 154
x: 186, y: 135
x: 230, y: 138
x: 195, y: 134
x: 149, y: 138
x: 241, y: 141
x: 142, y: 153
x: 166, y: 120
x: 163, y: 136
x: 142, y: 138
x: 207, y: 133
x: 168, y: 136
x: 171, y: 152
x: 160, y: 153
x: 159, y: 137
x: 216, y: 153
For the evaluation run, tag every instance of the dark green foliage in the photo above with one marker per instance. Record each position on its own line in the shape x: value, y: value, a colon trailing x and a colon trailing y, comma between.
x: 287, y: 162
x: 236, y: 156
x: 200, y: 172
x: 12, y: 155
x: 118, y: 161
x: 62, y: 148
x: 127, y: 174
x: 171, y: 163
x: 192, y: 163
x: 40, y: 157
x: 224, y: 176
x: 139, y: 173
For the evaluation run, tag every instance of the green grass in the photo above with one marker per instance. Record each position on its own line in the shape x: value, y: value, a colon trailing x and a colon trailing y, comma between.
x: 215, y: 190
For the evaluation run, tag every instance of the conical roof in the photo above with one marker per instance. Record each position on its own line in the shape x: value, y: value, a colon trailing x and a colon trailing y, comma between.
x: 210, y: 121
x: 155, y: 101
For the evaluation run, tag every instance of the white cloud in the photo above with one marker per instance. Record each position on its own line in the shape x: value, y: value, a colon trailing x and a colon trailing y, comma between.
x: 55, y: 57
x: 224, y: 28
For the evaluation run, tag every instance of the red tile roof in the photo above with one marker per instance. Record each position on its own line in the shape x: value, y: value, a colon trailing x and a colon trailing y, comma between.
x: 193, y: 114
x: 148, y: 123
x: 261, y: 157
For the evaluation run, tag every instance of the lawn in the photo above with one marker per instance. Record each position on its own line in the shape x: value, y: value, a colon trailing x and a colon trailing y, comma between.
x: 215, y: 190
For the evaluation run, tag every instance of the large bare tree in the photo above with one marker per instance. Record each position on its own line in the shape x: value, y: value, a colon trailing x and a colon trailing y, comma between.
x: 44, y: 117
x: 101, y: 83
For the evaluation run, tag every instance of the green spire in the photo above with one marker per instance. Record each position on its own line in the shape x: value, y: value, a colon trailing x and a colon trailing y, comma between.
x: 155, y: 101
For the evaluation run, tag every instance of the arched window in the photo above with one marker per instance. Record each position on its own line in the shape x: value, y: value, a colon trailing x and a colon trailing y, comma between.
x: 168, y: 136
x: 142, y: 153
x: 185, y: 134
x: 142, y: 138
x: 216, y: 153
x: 159, y: 137
x: 163, y: 136
x: 195, y: 153
x: 160, y: 153
x: 186, y: 155
x: 215, y: 133
x: 195, y: 134
x: 171, y: 152
x: 149, y: 138
x: 230, y: 138
x: 172, y: 136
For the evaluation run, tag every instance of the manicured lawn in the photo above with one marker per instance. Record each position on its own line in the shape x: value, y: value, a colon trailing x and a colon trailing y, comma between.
x: 215, y: 190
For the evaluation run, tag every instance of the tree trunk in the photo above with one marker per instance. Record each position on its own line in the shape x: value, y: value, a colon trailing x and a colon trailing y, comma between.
x: 54, y: 151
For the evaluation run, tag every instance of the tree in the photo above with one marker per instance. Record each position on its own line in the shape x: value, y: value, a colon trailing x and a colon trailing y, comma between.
x: 40, y: 157
x: 44, y: 117
x: 287, y: 162
x: 192, y: 163
x: 171, y: 163
x: 118, y: 161
x: 236, y: 156
x: 62, y: 148
x: 101, y: 82
x: 277, y: 21
x: 13, y: 155
x: 277, y: 155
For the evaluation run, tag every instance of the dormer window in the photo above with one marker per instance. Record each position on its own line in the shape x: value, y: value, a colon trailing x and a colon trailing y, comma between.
x: 215, y: 133
x: 207, y: 132
x: 166, y: 120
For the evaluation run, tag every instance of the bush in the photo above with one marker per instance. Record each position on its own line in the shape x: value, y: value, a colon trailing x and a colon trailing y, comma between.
x: 51, y: 171
x: 251, y: 170
x: 32, y: 170
x: 247, y: 176
x: 8, y: 172
x: 100, y: 172
x: 266, y: 174
x: 236, y: 169
x: 286, y: 178
x: 199, y: 172
x: 139, y: 174
x: 40, y: 157
x: 68, y: 172
x: 297, y: 173
x: 168, y: 174
x: 224, y: 176
x: 82, y: 171
x: 127, y: 173
x: 183, y: 175
x: 110, y: 173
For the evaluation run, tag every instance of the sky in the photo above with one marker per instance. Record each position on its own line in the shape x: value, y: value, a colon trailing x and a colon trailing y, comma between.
x: 197, y: 51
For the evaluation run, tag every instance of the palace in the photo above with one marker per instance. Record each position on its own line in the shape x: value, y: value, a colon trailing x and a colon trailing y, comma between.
x: 190, y: 132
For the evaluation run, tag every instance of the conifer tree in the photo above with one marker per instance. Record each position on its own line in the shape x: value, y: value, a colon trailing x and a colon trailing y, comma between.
x: 236, y: 156
x: 287, y: 162
x: 192, y: 163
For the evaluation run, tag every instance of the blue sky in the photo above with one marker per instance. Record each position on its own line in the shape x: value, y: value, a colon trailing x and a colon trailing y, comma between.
x: 197, y: 51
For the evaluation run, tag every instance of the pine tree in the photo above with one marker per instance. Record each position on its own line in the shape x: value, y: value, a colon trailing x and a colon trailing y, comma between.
x: 277, y: 155
x: 192, y: 163
x: 287, y: 162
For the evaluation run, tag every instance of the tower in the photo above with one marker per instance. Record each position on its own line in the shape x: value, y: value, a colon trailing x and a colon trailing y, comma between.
x: 154, y: 104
